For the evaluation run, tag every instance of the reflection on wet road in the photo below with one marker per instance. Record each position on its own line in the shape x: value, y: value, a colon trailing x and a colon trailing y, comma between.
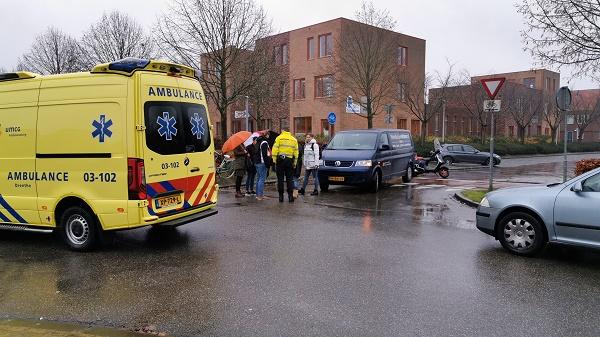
x: 404, y: 262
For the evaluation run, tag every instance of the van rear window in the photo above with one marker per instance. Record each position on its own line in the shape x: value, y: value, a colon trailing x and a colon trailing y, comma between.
x: 174, y: 128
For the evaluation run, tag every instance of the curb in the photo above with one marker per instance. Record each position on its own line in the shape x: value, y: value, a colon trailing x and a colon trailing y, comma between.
x: 465, y: 201
x: 546, y: 155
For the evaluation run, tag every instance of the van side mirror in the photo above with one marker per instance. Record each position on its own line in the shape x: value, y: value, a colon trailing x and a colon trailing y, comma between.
x: 578, y: 187
x: 384, y: 147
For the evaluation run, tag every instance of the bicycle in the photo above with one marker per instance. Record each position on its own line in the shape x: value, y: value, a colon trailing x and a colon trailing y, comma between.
x: 224, y: 164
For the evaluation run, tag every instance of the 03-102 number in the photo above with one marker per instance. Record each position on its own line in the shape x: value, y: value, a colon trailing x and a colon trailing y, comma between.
x: 106, y: 177
x: 165, y: 166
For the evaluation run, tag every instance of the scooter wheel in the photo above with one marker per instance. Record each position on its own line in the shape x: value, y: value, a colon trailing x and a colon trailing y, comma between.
x: 444, y: 172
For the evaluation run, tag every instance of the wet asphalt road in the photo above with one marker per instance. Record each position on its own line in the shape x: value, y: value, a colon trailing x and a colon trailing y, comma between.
x: 405, y: 262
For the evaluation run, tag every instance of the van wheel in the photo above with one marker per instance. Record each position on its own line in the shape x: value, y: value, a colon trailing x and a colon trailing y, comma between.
x: 409, y: 174
x: 79, y: 229
x: 376, y: 184
x: 324, y: 186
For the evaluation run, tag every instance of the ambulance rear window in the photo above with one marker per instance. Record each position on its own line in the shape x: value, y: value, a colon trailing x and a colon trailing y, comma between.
x: 175, y: 128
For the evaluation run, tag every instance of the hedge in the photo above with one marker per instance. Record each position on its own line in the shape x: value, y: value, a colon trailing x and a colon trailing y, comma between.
x: 503, y: 148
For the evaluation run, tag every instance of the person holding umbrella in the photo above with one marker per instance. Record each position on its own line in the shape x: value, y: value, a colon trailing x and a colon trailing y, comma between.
x: 285, y: 156
x: 235, y: 144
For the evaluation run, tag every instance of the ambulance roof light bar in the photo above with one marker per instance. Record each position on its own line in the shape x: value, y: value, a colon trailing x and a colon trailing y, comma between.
x: 129, y: 65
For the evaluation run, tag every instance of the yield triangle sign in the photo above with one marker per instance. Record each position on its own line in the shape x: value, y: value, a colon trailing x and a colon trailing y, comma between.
x: 492, y: 85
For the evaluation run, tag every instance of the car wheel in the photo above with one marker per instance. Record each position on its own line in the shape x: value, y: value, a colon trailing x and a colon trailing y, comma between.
x: 521, y: 234
x: 376, y: 182
x: 79, y: 228
x: 496, y: 162
x: 324, y: 186
x: 448, y: 160
x: 409, y: 174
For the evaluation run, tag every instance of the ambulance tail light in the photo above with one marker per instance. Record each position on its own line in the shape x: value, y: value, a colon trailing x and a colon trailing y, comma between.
x: 136, y: 179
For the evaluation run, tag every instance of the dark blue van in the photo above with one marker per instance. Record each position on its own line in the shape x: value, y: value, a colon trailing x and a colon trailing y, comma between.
x: 367, y: 158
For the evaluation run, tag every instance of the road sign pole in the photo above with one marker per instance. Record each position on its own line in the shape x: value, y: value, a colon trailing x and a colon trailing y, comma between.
x: 492, y: 132
x: 566, y: 112
x: 247, y: 116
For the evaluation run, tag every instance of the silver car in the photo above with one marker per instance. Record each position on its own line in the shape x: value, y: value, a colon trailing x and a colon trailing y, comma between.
x: 525, y: 219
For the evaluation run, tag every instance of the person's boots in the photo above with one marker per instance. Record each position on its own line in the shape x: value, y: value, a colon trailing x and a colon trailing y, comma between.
x: 301, y: 191
x: 290, y: 198
x: 281, y: 197
x: 315, y: 192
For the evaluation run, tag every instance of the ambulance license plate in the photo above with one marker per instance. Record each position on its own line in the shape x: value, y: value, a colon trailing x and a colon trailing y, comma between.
x: 336, y: 178
x: 169, y: 201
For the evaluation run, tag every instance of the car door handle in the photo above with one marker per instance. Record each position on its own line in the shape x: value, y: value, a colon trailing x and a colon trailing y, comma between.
x: 194, y: 169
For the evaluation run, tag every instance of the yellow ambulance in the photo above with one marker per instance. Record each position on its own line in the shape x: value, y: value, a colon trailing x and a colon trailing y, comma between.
x: 125, y: 145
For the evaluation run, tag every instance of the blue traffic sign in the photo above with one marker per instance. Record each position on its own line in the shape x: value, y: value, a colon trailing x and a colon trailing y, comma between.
x: 331, y: 118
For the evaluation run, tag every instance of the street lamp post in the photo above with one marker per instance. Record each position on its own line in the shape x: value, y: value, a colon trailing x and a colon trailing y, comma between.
x: 443, y: 120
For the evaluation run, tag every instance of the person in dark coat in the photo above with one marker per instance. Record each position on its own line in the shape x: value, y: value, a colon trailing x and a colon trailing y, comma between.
x: 298, y: 170
x: 239, y: 165
x: 250, y: 167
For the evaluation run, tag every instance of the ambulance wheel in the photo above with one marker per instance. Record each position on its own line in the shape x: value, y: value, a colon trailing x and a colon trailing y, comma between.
x: 79, y: 229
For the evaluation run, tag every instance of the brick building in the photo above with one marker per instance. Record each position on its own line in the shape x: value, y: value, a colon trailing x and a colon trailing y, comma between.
x: 308, y: 91
x: 530, y: 92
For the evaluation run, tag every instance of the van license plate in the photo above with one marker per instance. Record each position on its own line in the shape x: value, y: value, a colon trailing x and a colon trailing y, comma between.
x: 169, y: 201
x: 336, y: 178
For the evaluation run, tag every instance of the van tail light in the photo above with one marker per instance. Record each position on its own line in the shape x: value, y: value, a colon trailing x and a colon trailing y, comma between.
x: 136, y: 179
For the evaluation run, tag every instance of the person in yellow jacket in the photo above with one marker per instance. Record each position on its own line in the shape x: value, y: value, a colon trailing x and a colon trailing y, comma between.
x: 285, y: 156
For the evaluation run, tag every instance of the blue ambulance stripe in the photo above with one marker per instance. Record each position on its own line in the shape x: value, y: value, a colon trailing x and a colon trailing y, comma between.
x: 11, y: 210
x: 4, y: 218
x: 151, y: 192
x: 167, y: 185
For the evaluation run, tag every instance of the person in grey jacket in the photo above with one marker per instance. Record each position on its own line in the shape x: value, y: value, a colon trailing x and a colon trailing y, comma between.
x: 311, y: 163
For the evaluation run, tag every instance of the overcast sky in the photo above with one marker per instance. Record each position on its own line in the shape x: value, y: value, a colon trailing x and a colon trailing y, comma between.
x: 481, y: 36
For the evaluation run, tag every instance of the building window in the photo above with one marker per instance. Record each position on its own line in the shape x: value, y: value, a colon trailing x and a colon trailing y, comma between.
x: 302, y: 124
x: 324, y: 86
x: 401, y: 123
x: 547, y: 131
x: 511, y: 131
x: 266, y: 124
x: 299, y: 89
x: 402, y: 56
x: 402, y: 91
x: 529, y: 82
x: 283, y: 91
x: 218, y: 130
x: 327, y: 129
x: 236, y: 125
x: 325, y: 45
x: 415, y: 126
x: 310, y: 48
x: 280, y: 54
x: 539, y: 130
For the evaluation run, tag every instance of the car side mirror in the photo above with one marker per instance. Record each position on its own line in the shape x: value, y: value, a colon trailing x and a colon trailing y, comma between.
x: 578, y: 187
x: 384, y: 147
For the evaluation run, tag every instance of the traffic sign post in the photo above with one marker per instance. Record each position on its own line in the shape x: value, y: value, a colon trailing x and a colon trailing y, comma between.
x: 492, y: 87
x: 563, y: 102
x: 331, y: 119
x: 388, y: 116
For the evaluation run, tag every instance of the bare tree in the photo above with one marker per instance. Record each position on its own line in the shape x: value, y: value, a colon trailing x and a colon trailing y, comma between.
x: 2, y: 70
x: 52, y: 52
x: 585, y: 109
x: 523, y: 104
x: 269, y: 92
x: 116, y: 36
x: 216, y: 36
x: 553, y: 116
x: 471, y: 96
x: 563, y: 33
x: 364, y: 67
x: 436, y: 99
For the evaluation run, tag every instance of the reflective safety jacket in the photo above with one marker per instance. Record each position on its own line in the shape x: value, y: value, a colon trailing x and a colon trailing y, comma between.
x: 285, y: 146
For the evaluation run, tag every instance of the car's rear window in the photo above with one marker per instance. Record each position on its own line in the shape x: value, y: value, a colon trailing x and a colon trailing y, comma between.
x: 174, y: 128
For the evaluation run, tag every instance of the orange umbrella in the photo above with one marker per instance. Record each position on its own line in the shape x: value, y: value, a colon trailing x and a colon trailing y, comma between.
x: 235, y: 140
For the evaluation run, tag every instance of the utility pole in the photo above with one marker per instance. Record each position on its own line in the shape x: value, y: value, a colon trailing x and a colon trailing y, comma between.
x: 443, y: 120
x: 247, y: 116
x: 563, y: 101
